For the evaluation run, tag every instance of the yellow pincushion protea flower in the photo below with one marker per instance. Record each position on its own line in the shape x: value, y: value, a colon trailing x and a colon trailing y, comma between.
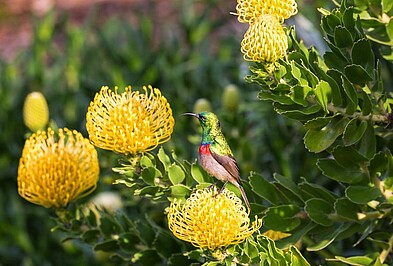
x: 35, y: 111
x: 265, y: 40
x: 211, y: 220
x: 56, y: 168
x: 249, y: 10
x: 131, y: 122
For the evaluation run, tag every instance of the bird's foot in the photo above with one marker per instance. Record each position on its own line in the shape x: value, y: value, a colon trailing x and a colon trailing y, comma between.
x: 211, y: 186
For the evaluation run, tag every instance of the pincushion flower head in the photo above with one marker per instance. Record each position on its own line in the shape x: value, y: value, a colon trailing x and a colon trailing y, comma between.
x: 249, y: 10
x: 211, y: 220
x: 57, y: 168
x: 265, y: 40
x: 130, y: 122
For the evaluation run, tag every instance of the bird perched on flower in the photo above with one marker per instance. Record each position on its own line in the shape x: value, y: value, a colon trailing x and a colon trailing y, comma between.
x: 215, y: 154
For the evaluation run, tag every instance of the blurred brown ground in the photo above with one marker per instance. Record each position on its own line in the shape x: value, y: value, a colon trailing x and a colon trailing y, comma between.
x: 16, y: 16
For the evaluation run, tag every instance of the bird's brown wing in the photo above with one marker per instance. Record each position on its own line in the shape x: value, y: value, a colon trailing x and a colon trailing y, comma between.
x: 229, y: 163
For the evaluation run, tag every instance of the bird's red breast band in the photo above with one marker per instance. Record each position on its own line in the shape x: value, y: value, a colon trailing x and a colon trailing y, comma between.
x: 204, y: 149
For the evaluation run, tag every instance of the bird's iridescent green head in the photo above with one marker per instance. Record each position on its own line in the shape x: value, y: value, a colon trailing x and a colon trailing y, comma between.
x: 210, y: 124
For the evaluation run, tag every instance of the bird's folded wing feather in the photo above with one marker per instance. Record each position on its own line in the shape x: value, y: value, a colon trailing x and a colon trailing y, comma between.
x: 229, y: 163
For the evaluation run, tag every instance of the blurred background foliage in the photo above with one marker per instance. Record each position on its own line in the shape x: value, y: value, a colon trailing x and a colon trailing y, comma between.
x: 190, y: 52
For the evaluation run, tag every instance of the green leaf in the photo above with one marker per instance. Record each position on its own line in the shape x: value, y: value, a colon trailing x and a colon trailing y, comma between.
x: 109, y: 226
x: 297, y: 74
x: 310, y: 190
x: 165, y: 244
x: 108, y: 246
x: 146, y: 257
x: 288, y: 184
x: 128, y: 241
x: 363, y: 55
x: 355, y: 260
x: 323, y: 93
x: 91, y: 236
x: 149, y: 175
x: 326, y: 237
x: 297, y: 258
x: 354, y: 131
x: 348, y: 156
x: 263, y: 188
x: 318, y: 211
x: 282, y: 218
x: 319, y: 140
x: 180, y: 191
x: 332, y: 169
x: 164, y: 158
x: 365, y: 103
x: 297, y: 112
x: 146, y: 162
x: 367, y: 145
x: 299, y: 94
x: 347, y: 209
x: 197, y: 173
x: 282, y: 99
x: 342, y: 37
x: 148, y: 190
x: 176, y: 174
x: 357, y: 74
x: 362, y: 194
x: 352, y: 96
x: 318, y: 123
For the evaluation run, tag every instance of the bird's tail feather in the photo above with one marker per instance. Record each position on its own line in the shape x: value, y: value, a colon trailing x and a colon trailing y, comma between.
x: 245, y: 198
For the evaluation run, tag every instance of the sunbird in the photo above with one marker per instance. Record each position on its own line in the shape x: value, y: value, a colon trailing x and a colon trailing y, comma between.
x: 215, y: 155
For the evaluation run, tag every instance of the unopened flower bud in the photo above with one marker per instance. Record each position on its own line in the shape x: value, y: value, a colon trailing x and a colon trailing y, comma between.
x: 201, y: 105
x: 35, y: 111
x: 231, y: 98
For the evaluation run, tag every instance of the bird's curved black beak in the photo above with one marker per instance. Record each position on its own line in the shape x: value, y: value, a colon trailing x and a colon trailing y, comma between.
x: 192, y: 114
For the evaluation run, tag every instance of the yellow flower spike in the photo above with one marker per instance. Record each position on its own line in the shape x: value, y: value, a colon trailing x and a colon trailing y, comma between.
x: 265, y: 40
x: 57, y: 168
x: 131, y: 122
x: 211, y: 220
x: 35, y: 111
x: 249, y: 10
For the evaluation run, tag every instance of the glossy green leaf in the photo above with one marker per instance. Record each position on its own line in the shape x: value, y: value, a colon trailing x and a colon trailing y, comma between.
x: 288, y: 184
x: 146, y: 162
x: 297, y: 74
x: 355, y: 260
x: 299, y: 113
x: 176, y: 174
x: 263, y: 188
x: 149, y: 175
x: 354, y: 131
x: 164, y: 158
x: 148, y: 190
x: 362, y: 194
x: 323, y: 93
x: 197, y: 173
x: 319, y: 140
x: 365, y: 103
x: 282, y: 218
x: 342, y: 37
x: 108, y: 246
x: 363, y: 55
x: 285, y: 100
x: 326, y: 237
x: 352, y: 96
x: 335, y: 62
x: 296, y: 257
x: 348, y: 20
x: 318, y: 123
x: 180, y: 191
x: 346, y: 209
x: 310, y: 191
x: 332, y: 169
x: 367, y: 145
x: 357, y: 74
x: 299, y: 94
x: 348, y: 156
x: 318, y: 211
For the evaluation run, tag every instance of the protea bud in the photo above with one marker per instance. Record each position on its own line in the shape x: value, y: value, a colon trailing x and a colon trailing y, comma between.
x: 231, y: 98
x: 35, y: 111
x: 201, y: 105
